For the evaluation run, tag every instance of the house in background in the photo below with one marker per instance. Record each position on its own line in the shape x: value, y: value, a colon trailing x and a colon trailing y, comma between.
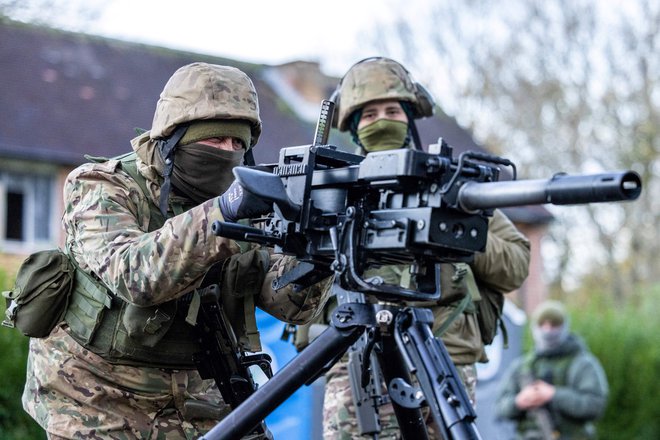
x: 64, y: 95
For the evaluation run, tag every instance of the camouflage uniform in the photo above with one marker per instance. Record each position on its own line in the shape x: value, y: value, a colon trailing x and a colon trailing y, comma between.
x: 74, y: 392
x: 502, y: 267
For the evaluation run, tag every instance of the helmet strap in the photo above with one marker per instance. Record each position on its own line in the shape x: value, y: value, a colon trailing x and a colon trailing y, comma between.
x: 248, y: 158
x: 415, y: 135
x: 167, y: 149
x: 412, y: 127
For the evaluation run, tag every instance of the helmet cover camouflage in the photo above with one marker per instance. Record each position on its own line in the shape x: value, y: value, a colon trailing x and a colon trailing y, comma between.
x: 206, y: 91
x: 379, y: 78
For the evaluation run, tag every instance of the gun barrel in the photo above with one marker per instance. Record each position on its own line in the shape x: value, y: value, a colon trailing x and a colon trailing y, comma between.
x: 560, y: 190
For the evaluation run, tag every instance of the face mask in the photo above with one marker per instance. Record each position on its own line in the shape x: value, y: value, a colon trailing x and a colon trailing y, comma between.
x: 202, y: 172
x: 384, y: 134
x: 549, y: 339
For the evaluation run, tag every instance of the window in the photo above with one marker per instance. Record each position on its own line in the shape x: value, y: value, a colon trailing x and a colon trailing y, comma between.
x: 26, y: 210
x: 14, y: 218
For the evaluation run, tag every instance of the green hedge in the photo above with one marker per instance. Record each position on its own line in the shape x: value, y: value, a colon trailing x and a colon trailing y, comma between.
x: 625, y: 340
x: 15, y: 424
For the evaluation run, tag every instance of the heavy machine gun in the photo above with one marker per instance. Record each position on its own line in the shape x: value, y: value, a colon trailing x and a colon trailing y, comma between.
x: 340, y: 214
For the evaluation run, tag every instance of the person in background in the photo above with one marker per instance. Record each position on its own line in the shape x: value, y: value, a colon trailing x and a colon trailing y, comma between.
x: 558, y: 389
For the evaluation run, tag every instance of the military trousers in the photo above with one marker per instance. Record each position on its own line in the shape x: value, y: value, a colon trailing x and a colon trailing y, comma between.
x: 75, y: 394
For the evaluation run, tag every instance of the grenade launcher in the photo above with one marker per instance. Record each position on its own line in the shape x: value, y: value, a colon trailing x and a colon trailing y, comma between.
x: 342, y: 213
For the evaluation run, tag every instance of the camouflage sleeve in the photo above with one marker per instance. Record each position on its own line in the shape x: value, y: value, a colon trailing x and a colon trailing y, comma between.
x: 287, y: 305
x: 106, y: 218
x: 504, y: 265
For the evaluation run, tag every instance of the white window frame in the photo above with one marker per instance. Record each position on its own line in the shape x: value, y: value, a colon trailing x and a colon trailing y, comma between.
x: 28, y: 171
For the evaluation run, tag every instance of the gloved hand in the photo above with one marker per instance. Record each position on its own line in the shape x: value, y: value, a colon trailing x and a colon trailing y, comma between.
x: 238, y: 203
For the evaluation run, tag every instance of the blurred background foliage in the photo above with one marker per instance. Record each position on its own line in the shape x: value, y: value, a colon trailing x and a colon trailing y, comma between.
x: 557, y: 86
x: 625, y: 340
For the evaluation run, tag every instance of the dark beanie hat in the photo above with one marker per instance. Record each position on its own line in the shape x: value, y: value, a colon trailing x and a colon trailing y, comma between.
x: 552, y: 311
x: 206, y: 129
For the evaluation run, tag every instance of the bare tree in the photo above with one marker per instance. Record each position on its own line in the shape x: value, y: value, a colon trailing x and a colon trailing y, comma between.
x: 76, y: 15
x: 561, y: 85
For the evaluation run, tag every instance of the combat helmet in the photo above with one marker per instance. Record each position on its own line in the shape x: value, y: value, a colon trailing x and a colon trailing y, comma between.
x: 201, y: 91
x: 378, y: 78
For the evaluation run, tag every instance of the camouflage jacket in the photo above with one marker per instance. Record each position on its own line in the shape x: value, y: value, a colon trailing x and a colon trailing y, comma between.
x: 106, y: 220
x: 503, y: 267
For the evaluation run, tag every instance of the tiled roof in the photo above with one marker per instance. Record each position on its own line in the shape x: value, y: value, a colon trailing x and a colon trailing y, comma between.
x: 64, y: 95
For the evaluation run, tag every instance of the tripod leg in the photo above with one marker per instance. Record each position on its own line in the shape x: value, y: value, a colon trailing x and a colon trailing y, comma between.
x: 411, y: 420
x: 436, y: 374
x: 365, y: 381
x: 324, y: 349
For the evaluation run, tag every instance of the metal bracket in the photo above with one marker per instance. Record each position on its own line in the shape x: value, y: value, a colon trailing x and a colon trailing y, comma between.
x: 353, y: 314
x: 405, y: 395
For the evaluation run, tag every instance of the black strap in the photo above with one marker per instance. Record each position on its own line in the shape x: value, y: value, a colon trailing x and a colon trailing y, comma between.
x: 248, y: 158
x: 167, y: 147
x: 415, y: 135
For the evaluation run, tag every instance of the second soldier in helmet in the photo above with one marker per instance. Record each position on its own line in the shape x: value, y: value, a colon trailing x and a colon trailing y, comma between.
x: 377, y: 103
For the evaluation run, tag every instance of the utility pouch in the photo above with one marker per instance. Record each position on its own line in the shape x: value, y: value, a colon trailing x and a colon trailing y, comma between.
x: 242, y: 278
x: 89, y: 301
x: 454, y: 285
x: 454, y: 279
x: 41, y: 293
x: 244, y: 273
x: 148, y: 325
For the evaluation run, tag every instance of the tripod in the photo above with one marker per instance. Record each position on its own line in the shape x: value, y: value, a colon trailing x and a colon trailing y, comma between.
x: 407, y: 347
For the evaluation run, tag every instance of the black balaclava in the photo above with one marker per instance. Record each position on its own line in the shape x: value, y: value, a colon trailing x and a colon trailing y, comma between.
x: 199, y: 171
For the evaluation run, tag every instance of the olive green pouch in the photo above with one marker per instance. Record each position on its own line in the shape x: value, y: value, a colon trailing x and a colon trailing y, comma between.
x: 244, y: 273
x: 242, y: 277
x: 41, y: 293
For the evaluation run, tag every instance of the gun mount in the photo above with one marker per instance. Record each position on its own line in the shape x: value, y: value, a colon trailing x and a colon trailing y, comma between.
x: 343, y: 212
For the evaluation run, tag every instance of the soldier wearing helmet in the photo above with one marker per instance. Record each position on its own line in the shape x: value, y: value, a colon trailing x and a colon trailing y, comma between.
x: 138, y: 229
x: 378, y: 102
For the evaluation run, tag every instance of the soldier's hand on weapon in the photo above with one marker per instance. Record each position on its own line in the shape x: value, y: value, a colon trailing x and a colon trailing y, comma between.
x: 544, y: 391
x: 238, y: 203
x: 534, y: 395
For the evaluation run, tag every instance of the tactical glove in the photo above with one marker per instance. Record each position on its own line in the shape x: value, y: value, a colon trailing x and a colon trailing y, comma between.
x: 238, y: 203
